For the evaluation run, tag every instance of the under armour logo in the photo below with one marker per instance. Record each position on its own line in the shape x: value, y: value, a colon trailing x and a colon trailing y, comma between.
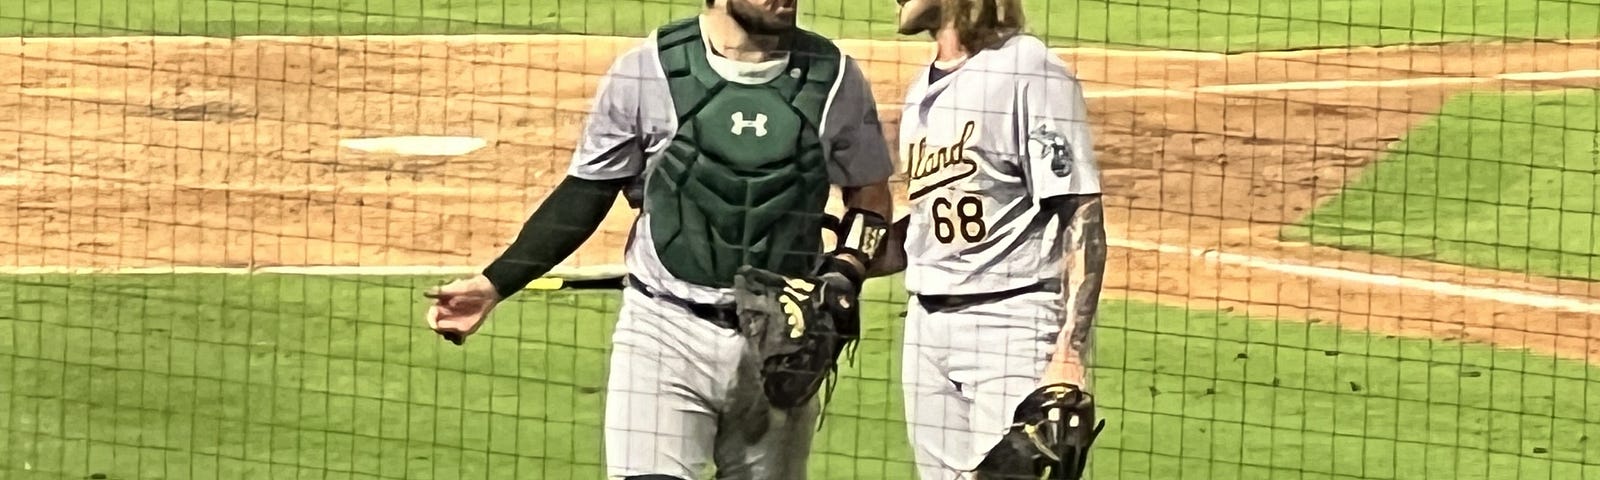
x: 760, y: 124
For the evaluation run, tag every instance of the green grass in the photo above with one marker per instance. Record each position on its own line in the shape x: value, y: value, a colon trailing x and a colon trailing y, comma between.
x: 190, y: 377
x: 1211, y: 25
x: 1501, y: 181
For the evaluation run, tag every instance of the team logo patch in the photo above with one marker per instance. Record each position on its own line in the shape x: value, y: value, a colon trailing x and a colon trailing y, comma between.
x: 1047, y: 144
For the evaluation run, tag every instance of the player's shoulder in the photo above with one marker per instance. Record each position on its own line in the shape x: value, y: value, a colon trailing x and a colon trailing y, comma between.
x: 813, y: 43
x: 829, y: 61
x: 678, y: 31
x: 638, y: 60
x: 1029, y: 55
x: 1025, y: 47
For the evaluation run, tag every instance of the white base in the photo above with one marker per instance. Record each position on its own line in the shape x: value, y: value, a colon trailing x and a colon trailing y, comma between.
x: 416, y: 145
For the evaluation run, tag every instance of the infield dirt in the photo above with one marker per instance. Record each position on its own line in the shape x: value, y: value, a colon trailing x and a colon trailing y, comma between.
x: 134, y: 152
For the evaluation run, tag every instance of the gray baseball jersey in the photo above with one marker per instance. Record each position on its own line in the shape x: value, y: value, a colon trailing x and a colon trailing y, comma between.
x: 633, y: 118
x: 980, y: 147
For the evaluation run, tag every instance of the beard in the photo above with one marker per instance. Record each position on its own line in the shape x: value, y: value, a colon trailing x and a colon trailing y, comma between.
x: 759, y: 21
x: 918, y: 16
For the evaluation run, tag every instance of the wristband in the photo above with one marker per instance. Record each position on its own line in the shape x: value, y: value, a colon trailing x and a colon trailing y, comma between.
x: 861, y: 233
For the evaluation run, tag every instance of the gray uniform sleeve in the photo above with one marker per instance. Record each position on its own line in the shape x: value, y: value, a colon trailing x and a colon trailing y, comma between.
x: 619, y: 129
x: 1054, y: 120
x: 857, y: 153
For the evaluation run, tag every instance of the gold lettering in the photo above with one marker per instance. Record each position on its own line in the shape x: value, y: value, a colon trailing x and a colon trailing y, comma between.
x: 919, y: 167
x: 922, y: 164
x: 959, y: 150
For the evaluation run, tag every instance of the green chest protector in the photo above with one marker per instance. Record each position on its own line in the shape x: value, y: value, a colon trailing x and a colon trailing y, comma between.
x: 744, y: 180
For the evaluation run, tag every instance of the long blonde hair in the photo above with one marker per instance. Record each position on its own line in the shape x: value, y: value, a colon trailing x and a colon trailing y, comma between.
x: 982, y: 24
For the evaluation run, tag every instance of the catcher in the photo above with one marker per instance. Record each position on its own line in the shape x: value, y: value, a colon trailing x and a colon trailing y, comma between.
x: 727, y: 131
x: 1004, y: 249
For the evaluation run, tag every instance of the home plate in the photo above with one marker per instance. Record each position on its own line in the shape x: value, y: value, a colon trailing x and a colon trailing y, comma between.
x: 416, y: 145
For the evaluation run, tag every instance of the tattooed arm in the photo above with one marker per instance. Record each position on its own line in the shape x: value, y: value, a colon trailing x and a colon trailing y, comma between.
x: 1064, y: 178
x: 1084, y: 261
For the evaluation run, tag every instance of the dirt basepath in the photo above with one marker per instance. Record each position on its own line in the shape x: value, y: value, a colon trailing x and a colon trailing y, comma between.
x: 182, y: 151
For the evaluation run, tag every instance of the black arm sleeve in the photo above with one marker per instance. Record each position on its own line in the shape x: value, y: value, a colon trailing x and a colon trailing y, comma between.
x: 556, y: 229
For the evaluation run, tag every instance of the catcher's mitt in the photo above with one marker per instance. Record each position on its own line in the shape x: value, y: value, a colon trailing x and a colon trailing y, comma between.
x: 798, y: 327
x: 1049, y: 439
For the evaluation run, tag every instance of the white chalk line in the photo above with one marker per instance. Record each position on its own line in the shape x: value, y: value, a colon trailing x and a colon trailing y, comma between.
x: 568, y: 273
x: 1346, y: 84
x: 1495, y: 294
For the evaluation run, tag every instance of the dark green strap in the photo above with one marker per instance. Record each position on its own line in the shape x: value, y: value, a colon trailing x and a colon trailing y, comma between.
x: 820, y: 61
x: 683, y: 61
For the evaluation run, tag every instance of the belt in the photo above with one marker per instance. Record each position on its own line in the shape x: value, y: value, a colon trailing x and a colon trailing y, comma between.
x: 940, y: 303
x: 721, y: 315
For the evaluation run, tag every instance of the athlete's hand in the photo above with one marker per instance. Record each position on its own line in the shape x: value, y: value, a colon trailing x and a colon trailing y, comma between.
x: 460, y: 307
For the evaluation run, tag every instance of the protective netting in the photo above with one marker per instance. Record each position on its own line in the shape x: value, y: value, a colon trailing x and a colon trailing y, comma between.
x: 1347, y: 239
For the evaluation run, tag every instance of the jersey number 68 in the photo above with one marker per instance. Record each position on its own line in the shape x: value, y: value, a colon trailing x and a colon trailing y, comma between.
x: 964, y: 217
